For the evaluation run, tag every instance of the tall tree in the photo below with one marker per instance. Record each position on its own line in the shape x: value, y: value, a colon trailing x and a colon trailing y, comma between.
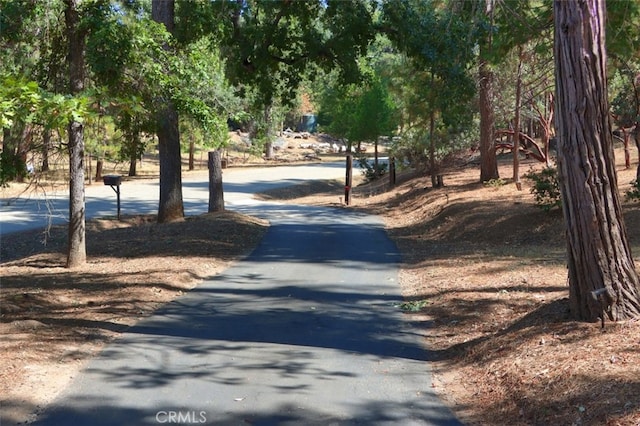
x: 171, y: 206
x: 77, y: 251
x: 439, y: 44
x: 602, y: 276
x: 488, y: 160
x: 271, y: 46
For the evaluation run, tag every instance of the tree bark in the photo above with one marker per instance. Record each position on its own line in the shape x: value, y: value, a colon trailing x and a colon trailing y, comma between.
x: 516, y: 126
x: 636, y: 137
x: 46, y: 147
x: 99, y: 165
x: 216, y: 191
x: 171, y: 207
x: 133, y: 165
x: 488, y: 160
x: 269, y: 133
x: 192, y: 154
x: 77, y: 252
x: 433, y: 167
x: 602, y: 278
x: 133, y: 153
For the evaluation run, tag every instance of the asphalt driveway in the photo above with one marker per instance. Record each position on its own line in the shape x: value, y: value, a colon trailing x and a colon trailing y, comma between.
x: 307, y: 330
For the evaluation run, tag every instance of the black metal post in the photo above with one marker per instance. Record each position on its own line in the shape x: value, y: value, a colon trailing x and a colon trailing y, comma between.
x: 349, y: 180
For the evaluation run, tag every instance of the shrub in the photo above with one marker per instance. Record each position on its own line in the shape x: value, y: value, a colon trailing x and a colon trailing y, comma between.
x: 494, y: 183
x: 546, y: 189
x: 633, y: 194
x: 12, y: 167
x: 370, y: 171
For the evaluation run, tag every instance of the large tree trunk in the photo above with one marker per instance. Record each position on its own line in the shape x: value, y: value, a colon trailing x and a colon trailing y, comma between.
x: 216, y: 192
x: 602, y: 277
x: 77, y: 252
x: 133, y: 154
x: 99, y: 165
x: 171, y: 206
x: 488, y: 160
x: 133, y: 165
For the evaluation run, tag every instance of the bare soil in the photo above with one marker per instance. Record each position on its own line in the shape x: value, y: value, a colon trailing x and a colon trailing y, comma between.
x: 484, y: 271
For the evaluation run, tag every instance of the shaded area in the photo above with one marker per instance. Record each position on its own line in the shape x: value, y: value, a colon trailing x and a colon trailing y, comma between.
x: 303, y: 189
x: 485, y: 228
x: 140, y: 235
x: 306, y: 330
x: 367, y: 413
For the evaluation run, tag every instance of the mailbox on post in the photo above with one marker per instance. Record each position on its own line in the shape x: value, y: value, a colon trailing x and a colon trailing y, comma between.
x: 114, y: 182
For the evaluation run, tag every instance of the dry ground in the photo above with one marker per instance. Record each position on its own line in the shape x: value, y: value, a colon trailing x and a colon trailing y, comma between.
x: 483, y: 271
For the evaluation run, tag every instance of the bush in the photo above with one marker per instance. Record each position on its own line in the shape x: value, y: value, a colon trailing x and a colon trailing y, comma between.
x: 494, y: 183
x: 633, y: 194
x: 370, y: 171
x: 546, y: 189
x: 12, y: 167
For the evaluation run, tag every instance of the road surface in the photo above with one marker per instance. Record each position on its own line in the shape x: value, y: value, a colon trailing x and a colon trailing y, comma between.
x: 37, y: 210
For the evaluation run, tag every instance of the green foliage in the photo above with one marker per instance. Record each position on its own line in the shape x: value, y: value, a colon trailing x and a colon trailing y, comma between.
x: 15, y: 16
x: 26, y: 102
x: 139, y: 67
x: 623, y: 37
x: 546, y: 189
x: 633, y: 193
x: 495, y: 183
x: 414, y: 305
x: 197, y: 19
x: 203, y: 92
x: 518, y: 23
x: 11, y: 167
x: 271, y: 45
x: 19, y: 99
x: 357, y: 112
x: 625, y: 102
x: 337, y: 106
x: 442, y: 46
x: 434, y: 83
x: 109, y: 45
x: 370, y: 170
x: 374, y: 112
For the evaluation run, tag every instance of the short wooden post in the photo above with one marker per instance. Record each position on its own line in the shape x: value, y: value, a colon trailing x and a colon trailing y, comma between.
x: 348, y: 180
x: 216, y: 193
x: 392, y: 171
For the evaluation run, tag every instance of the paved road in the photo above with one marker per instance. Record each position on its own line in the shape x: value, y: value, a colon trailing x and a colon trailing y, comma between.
x: 305, y: 331
x: 34, y: 211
